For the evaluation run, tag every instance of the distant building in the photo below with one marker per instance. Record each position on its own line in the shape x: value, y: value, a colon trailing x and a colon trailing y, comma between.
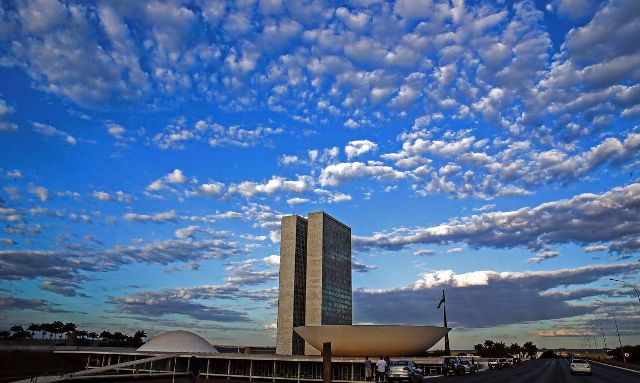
x: 315, y: 278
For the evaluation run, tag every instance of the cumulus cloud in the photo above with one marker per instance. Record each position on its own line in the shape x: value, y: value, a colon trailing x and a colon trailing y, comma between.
x: 336, y: 174
x: 40, y: 191
x: 486, y: 298
x: 6, y: 126
x: 543, y: 256
x: 359, y: 147
x: 50, y: 131
x: 167, y: 216
x: 177, y: 134
x: 276, y: 184
x: 583, y: 219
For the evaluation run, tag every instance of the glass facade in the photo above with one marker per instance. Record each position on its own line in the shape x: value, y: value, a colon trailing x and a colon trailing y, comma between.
x: 299, y: 284
x: 336, y: 273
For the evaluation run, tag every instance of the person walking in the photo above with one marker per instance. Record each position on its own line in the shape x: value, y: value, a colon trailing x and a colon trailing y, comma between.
x: 381, y: 367
x: 194, y: 370
x: 368, y: 369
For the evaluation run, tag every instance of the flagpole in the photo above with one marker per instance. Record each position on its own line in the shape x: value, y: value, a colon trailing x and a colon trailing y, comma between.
x: 447, y: 351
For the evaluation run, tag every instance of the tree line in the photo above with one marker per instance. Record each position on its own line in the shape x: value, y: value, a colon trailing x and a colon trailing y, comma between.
x: 491, y: 349
x: 58, y: 330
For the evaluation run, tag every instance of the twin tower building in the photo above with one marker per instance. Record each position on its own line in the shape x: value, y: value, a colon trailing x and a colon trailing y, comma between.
x: 315, y: 278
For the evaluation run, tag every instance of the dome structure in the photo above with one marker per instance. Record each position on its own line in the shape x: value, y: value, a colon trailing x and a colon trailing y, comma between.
x: 178, y: 342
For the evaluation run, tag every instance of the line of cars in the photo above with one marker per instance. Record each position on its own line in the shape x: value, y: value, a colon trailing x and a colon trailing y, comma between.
x: 455, y: 365
x: 495, y: 364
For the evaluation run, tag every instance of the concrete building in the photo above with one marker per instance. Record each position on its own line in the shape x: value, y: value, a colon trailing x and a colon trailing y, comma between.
x: 315, y: 278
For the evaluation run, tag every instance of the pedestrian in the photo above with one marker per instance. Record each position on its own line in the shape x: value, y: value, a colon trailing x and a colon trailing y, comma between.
x: 194, y: 370
x: 381, y: 368
x: 368, y: 369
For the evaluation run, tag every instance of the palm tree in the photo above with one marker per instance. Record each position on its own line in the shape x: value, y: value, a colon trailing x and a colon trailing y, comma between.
x: 44, y: 328
x: 58, y: 328
x: 106, y: 336
x: 68, y: 328
x: 33, y: 328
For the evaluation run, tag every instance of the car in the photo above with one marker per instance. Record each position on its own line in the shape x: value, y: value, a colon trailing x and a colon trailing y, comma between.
x: 504, y: 362
x: 493, y: 364
x: 406, y: 370
x: 469, y: 368
x: 580, y: 366
x: 452, y: 365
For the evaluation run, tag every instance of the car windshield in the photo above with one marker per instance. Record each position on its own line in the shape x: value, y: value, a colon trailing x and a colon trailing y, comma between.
x: 581, y: 361
x: 465, y: 362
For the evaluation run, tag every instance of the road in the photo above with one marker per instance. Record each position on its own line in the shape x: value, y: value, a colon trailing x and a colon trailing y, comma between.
x: 544, y: 370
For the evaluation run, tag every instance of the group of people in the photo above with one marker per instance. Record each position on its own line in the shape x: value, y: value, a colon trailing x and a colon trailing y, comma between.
x: 380, y: 369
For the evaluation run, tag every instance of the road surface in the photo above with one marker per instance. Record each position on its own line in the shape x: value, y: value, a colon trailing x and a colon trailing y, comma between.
x: 547, y: 371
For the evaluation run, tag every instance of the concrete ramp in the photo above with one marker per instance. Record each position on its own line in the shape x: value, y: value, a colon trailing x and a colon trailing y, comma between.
x: 99, y: 373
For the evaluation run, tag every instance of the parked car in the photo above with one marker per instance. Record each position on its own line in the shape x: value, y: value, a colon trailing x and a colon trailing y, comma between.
x: 469, y: 368
x: 493, y: 364
x: 452, y: 365
x: 406, y: 370
x: 580, y: 366
x: 504, y: 362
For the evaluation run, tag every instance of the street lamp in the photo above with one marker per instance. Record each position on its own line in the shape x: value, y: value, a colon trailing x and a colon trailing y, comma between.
x: 624, y: 358
x: 627, y: 283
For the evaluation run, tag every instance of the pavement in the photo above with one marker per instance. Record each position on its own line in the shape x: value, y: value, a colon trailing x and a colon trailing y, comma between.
x: 547, y: 371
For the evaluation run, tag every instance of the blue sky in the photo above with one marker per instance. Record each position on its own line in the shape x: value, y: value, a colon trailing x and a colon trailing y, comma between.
x: 149, y: 150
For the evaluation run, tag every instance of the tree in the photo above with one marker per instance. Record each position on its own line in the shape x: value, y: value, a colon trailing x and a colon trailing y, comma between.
x: 530, y: 349
x: 58, y: 328
x: 515, y: 350
x: 4, y: 334
x: 137, y: 338
x: 33, y: 328
x: 68, y: 328
x: 106, y: 336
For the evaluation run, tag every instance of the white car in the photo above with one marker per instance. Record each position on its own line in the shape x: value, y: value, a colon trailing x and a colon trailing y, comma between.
x: 580, y: 366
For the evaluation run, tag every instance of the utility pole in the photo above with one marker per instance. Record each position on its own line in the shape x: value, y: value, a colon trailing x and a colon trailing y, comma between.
x: 624, y: 358
x: 629, y: 284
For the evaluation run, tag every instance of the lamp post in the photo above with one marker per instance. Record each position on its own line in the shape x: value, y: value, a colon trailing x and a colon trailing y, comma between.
x: 618, y: 332
x: 627, y: 283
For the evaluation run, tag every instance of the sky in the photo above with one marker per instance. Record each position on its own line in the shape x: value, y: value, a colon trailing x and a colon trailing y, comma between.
x: 490, y: 149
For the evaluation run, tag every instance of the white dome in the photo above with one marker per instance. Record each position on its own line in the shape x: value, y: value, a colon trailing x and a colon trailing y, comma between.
x: 178, y: 341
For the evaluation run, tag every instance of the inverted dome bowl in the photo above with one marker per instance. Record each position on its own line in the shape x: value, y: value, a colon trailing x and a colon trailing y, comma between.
x: 373, y: 340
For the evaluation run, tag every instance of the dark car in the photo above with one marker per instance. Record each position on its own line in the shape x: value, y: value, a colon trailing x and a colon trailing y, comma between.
x: 452, y: 365
x: 406, y: 370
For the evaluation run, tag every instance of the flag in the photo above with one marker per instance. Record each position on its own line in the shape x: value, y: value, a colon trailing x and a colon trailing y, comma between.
x: 441, y: 299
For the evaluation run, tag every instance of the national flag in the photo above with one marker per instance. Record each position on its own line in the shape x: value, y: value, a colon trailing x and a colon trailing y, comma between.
x: 441, y: 299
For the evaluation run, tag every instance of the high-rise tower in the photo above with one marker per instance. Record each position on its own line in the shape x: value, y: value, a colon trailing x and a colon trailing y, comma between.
x: 315, y: 278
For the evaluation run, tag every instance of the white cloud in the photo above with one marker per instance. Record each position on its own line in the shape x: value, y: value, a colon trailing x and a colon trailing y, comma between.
x: 167, y: 216
x: 116, y: 131
x: 359, y: 147
x: 594, y: 218
x: 102, y: 196
x: 296, y: 201
x: 276, y: 184
x: 48, y: 130
x: 543, y: 256
x: 40, y: 191
x: 176, y: 177
x: 273, y: 260
x: 336, y: 174
x: 274, y: 236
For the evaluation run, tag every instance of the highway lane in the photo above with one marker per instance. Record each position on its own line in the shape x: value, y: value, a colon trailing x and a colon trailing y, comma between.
x: 546, y: 371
